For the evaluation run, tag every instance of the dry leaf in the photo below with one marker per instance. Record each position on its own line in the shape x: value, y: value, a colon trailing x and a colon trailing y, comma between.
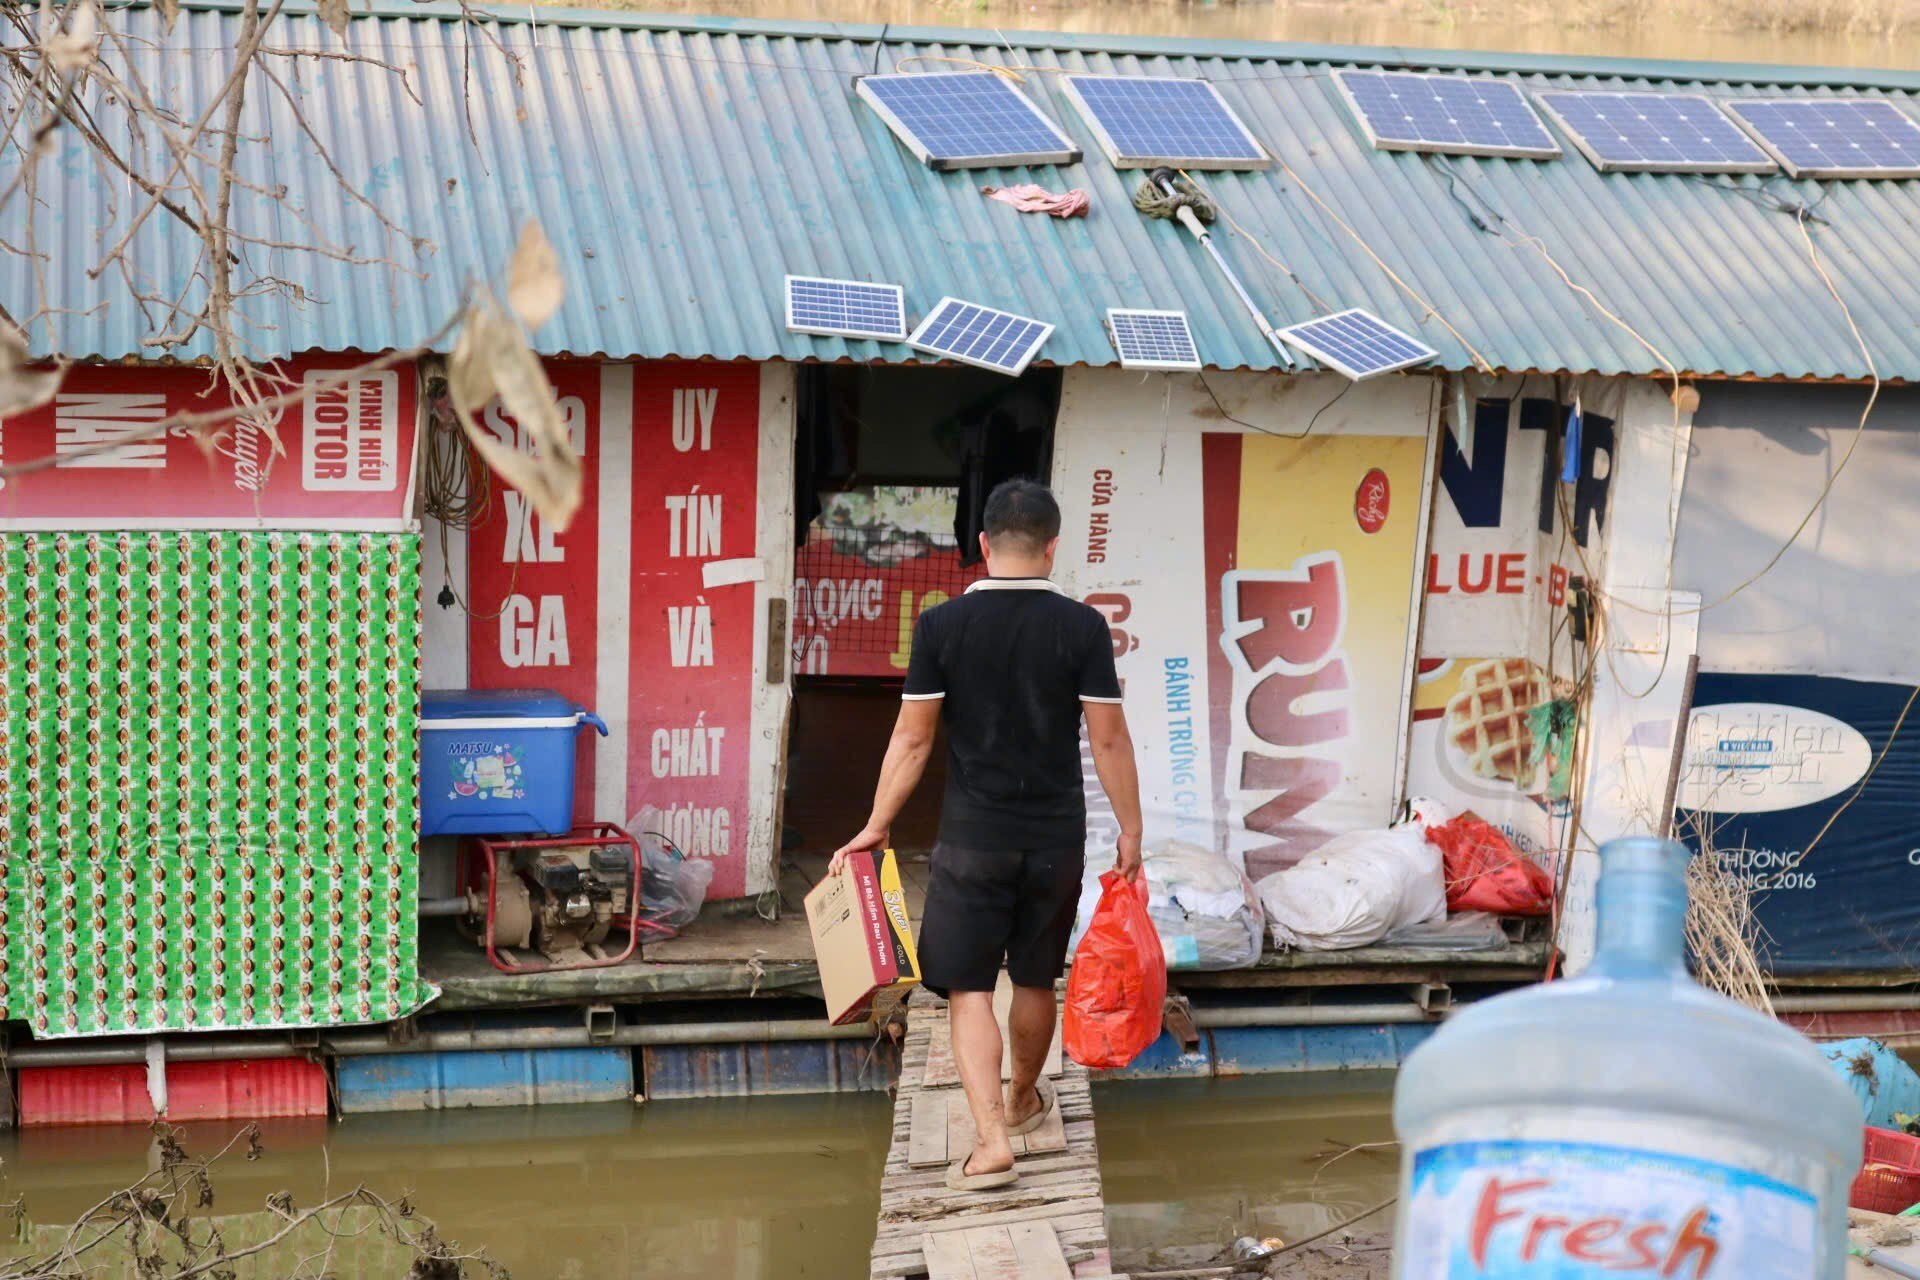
x: 534, y: 283
x: 73, y: 49
x: 22, y: 387
x: 335, y: 14
x: 491, y: 358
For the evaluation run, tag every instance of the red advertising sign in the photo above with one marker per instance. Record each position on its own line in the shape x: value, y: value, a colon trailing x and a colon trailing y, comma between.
x: 696, y: 459
x: 855, y: 618
x: 345, y: 460
x: 533, y: 596
x: 615, y: 611
x: 874, y: 560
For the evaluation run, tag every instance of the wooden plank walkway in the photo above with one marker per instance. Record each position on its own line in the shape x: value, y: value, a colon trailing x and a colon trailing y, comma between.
x: 1055, y: 1208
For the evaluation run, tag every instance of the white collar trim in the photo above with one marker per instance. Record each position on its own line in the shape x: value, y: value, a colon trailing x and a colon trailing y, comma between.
x: 1015, y: 584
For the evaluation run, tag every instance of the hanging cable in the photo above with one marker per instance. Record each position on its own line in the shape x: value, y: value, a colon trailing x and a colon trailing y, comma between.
x: 1346, y: 385
x: 1431, y: 310
x: 1859, y: 431
x: 456, y: 490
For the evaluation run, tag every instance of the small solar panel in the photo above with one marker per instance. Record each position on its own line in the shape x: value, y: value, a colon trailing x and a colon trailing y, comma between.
x: 1460, y: 115
x: 1358, y: 344
x: 1655, y: 133
x: 966, y: 120
x: 1152, y: 339
x: 1143, y: 122
x: 977, y: 335
x: 1834, y: 137
x: 846, y: 308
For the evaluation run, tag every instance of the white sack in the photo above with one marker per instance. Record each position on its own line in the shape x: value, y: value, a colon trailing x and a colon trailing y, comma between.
x: 1356, y: 889
x: 1203, y: 907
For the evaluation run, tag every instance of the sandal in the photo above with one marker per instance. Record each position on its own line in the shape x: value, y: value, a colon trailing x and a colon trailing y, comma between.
x: 958, y: 1179
x: 1044, y: 1088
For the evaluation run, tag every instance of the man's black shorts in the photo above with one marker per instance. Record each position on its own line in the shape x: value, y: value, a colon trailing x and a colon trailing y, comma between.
x: 989, y: 906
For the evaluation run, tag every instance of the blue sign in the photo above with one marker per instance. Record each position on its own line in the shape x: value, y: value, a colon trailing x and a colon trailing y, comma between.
x: 1803, y: 787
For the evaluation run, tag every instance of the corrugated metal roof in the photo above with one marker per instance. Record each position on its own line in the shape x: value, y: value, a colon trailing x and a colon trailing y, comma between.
x: 682, y: 167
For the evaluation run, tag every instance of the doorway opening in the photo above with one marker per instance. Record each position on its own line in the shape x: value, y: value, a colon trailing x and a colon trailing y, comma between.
x: 892, y: 467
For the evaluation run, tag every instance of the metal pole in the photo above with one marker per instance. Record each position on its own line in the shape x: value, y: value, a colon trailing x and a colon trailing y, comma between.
x: 1678, y: 760
x: 1849, y: 1002
x: 1163, y: 178
x: 364, y: 1043
x: 1878, y: 1258
x: 189, y: 1049
x: 779, y: 1030
x: 431, y: 907
x: 1336, y: 1015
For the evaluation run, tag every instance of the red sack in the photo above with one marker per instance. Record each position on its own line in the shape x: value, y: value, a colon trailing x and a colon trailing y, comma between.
x: 1485, y: 873
x: 1117, y: 991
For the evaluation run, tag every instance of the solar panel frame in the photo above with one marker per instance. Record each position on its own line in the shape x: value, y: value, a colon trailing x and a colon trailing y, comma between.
x: 1122, y: 158
x: 1549, y: 101
x: 1335, y: 357
x: 1032, y: 341
x: 798, y: 324
x: 1066, y: 153
x: 1794, y: 168
x: 1550, y: 150
x: 1143, y: 357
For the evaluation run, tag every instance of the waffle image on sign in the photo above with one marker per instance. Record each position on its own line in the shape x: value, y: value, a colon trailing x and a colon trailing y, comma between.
x: 1487, y: 719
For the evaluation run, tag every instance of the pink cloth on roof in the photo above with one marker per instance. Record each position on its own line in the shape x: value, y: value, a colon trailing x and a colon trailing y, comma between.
x: 1028, y: 198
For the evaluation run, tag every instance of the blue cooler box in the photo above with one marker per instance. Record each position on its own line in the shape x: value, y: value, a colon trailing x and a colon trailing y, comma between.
x: 498, y: 762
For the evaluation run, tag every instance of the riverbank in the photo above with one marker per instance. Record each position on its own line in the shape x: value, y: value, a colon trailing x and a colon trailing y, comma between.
x: 1865, y: 33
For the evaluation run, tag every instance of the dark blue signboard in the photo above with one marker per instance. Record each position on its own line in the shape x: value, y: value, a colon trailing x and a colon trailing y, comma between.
x: 1771, y: 761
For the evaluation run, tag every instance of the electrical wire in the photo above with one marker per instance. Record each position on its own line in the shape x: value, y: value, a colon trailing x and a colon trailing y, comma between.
x: 1859, y: 430
x: 1378, y: 261
x: 1346, y: 386
x: 456, y: 490
x: 1763, y: 196
x: 1835, y: 816
x: 1215, y: 208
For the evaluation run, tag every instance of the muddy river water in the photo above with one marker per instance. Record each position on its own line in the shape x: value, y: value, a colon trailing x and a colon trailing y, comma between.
x: 748, y: 1189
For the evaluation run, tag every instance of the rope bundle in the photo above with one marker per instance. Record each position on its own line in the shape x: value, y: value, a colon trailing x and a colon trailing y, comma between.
x: 1154, y: 201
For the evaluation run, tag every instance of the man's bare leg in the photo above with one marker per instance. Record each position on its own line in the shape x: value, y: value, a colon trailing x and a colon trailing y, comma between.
x: 1030, y: 1026
x: 976, y: 1052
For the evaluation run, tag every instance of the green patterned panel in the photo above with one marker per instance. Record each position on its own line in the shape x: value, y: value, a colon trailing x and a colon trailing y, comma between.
x: 211, y: 812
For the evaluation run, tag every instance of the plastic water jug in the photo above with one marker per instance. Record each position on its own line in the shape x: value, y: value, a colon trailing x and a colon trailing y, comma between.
x: 1623, y: 1123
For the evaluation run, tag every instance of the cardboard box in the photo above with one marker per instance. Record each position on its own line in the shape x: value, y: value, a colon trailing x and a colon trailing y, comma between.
x: 861, y: 937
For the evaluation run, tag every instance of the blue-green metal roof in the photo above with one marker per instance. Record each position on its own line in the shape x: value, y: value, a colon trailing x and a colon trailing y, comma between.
x: 682, y: 167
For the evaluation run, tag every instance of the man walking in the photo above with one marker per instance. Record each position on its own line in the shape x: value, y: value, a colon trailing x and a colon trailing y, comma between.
x: 1010, y: 667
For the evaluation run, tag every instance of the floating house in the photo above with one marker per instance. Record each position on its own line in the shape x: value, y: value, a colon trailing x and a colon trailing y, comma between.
x: 1468, y: 426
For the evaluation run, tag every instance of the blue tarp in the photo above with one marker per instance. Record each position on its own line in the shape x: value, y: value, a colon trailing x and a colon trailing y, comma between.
x: 1887, y: 1087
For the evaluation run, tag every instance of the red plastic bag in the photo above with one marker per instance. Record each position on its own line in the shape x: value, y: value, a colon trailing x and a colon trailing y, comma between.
x: 1485, y: 873
x: 1117, y: 991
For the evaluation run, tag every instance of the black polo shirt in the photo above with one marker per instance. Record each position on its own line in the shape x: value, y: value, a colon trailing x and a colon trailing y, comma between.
x: 1013, y: 660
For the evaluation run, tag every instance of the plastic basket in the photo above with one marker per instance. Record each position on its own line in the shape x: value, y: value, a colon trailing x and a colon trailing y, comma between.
x: 1889, y: 1177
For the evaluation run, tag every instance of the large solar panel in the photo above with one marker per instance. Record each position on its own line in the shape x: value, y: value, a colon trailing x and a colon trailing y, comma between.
x: 1358, y: 344
x: 966, y: 120
x: 977, y: 335
x: 1834, y: 137
x: 1460, y: 115
x: 1655, y: 133
x: 1143, y: 122
x: 846, y: 308
x: 1152, y: 339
